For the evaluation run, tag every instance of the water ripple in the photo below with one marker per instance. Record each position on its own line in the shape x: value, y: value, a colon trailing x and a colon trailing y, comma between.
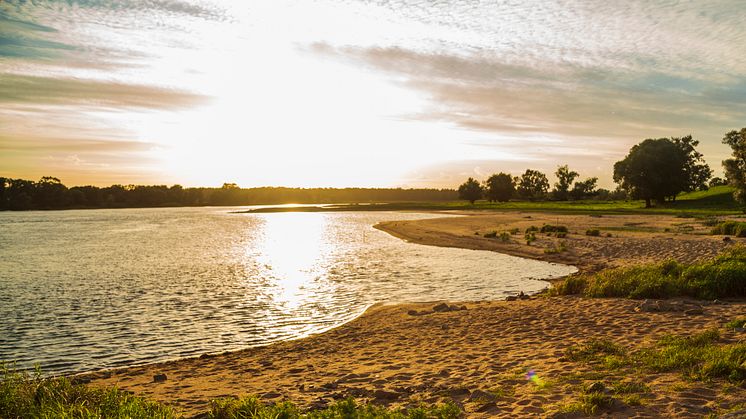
x: 95, y: 289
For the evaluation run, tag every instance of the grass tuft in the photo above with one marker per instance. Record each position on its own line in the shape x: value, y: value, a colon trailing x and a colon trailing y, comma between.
x: 730, y: 228
x: 23, y: 395
x: 593, y: 349
x: 723, y: 276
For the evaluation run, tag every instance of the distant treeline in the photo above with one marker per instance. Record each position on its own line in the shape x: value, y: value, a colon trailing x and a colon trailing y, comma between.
x: 50, y: 193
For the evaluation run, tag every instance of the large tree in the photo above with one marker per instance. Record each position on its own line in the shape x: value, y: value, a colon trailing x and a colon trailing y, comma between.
x: 499, y: 187
x: 661, y: 168
x: 696, y: 172
x: 565, y: 177
x: 470, y: 190
x: 735, y: 168
x: 532, y: 184
x: 584, y: 189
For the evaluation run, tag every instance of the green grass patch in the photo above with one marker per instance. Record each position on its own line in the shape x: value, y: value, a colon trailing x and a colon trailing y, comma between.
x: 251, y: 407
x: 589, y: 404
x: 593, y: 349
x: 735, y: 324
x: 559, y: 248
x: 700, y: 356
x: 730, y: 228
x: 720, y: 277
x: 24, y: 395
x: 548, y: 228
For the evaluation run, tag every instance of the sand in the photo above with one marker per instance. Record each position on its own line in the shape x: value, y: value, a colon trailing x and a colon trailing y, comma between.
x: 392, y: 357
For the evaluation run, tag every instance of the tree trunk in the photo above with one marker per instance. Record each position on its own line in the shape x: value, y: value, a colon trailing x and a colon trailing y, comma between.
x: 647, y: 203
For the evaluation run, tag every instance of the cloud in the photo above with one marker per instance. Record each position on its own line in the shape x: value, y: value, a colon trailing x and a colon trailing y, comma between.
x: 29, y: 90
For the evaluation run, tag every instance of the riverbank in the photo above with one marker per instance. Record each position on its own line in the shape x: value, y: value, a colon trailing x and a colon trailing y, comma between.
x: 405, y: 354
x: 622, y: 240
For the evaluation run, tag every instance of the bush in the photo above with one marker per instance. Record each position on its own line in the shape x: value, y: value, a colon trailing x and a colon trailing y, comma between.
x: 491, y: 235
x: 730, y: 228
x: 593, y: 232
x: 532, y: 229
x: 530, y: 237
x: 723, y: 276
x: 505, y: 237
x: 548, y: 228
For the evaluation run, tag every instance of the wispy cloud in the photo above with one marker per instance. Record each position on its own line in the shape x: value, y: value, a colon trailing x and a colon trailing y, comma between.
x: 24, y: 90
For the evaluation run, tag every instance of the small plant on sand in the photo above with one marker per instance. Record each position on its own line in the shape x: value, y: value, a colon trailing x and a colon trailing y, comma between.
x: 548, y: 228
x: 735, y: 324
x: 559, y: 248
x: 594, y: 349
x: 505, y: 237
x: 514, y: 231
x: 593, y: 232
x: 589, y: 404
x: 530, y: 237
x: 532, y: 229
x: 491, y: 235
x: 730, y: 228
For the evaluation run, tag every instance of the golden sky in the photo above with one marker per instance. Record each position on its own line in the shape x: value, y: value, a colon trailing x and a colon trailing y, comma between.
x: 358, y: 93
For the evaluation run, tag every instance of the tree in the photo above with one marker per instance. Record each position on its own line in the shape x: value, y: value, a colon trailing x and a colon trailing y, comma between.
x: 470, y: 190
x: 659, y: 168
x: 717, y: 181
x: 532, y: 184
x: 500, y: 187
x: 735, y: 168
x: 584, y: 189
x: 565, y: 177
x: 696, y: 172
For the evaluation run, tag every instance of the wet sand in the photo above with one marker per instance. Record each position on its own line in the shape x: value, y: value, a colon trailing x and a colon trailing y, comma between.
x: 390, y: 356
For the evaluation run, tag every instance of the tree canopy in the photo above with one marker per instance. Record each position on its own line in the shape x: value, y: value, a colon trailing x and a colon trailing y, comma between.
x: 565, y: 178
x: 532, y: 184
x: 661, y: 168
x: 735, y: 167
x: 499, y: 187
x: 470, y: 190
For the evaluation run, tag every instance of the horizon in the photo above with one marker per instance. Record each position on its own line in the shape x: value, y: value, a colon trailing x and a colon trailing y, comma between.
x: 353, y: 94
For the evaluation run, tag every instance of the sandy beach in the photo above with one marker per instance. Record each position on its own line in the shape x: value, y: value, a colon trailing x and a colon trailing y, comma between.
x: 478, y: 357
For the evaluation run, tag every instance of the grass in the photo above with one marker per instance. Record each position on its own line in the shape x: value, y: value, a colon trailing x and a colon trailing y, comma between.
x: 593, y: 349
x: 559, y: 248
x: 24, y: 395
x: 713, y: 202
x: 730, y: 228
x: 721, y: 277
x: 700, y: 356
x: 251, y: 407
x: 589, y: 404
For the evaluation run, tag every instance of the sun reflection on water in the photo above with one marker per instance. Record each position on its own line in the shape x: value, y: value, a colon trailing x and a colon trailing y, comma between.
x: 290, y: 254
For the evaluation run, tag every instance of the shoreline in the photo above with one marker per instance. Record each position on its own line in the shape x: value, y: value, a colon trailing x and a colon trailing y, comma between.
x: 389, y: 356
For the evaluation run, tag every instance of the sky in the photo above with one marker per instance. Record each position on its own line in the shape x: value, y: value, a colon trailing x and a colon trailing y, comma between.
x: 342, y: 93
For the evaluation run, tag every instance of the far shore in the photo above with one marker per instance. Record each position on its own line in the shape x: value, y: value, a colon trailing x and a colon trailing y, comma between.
x: 404, y: 354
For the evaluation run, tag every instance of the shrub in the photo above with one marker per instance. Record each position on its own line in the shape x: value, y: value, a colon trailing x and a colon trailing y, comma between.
x: 561, y: 235
x: 561, y: 247
x: 593, y: 232
x: 730, y: 228
x: 505, y: 237
x: 491, y: 235
x: 532, y: 229
x: 548, y: 228
x: 514, y: 231
x: 530, y: 237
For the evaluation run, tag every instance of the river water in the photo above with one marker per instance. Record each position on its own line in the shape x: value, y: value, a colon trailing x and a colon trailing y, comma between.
x: 90, y: 289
